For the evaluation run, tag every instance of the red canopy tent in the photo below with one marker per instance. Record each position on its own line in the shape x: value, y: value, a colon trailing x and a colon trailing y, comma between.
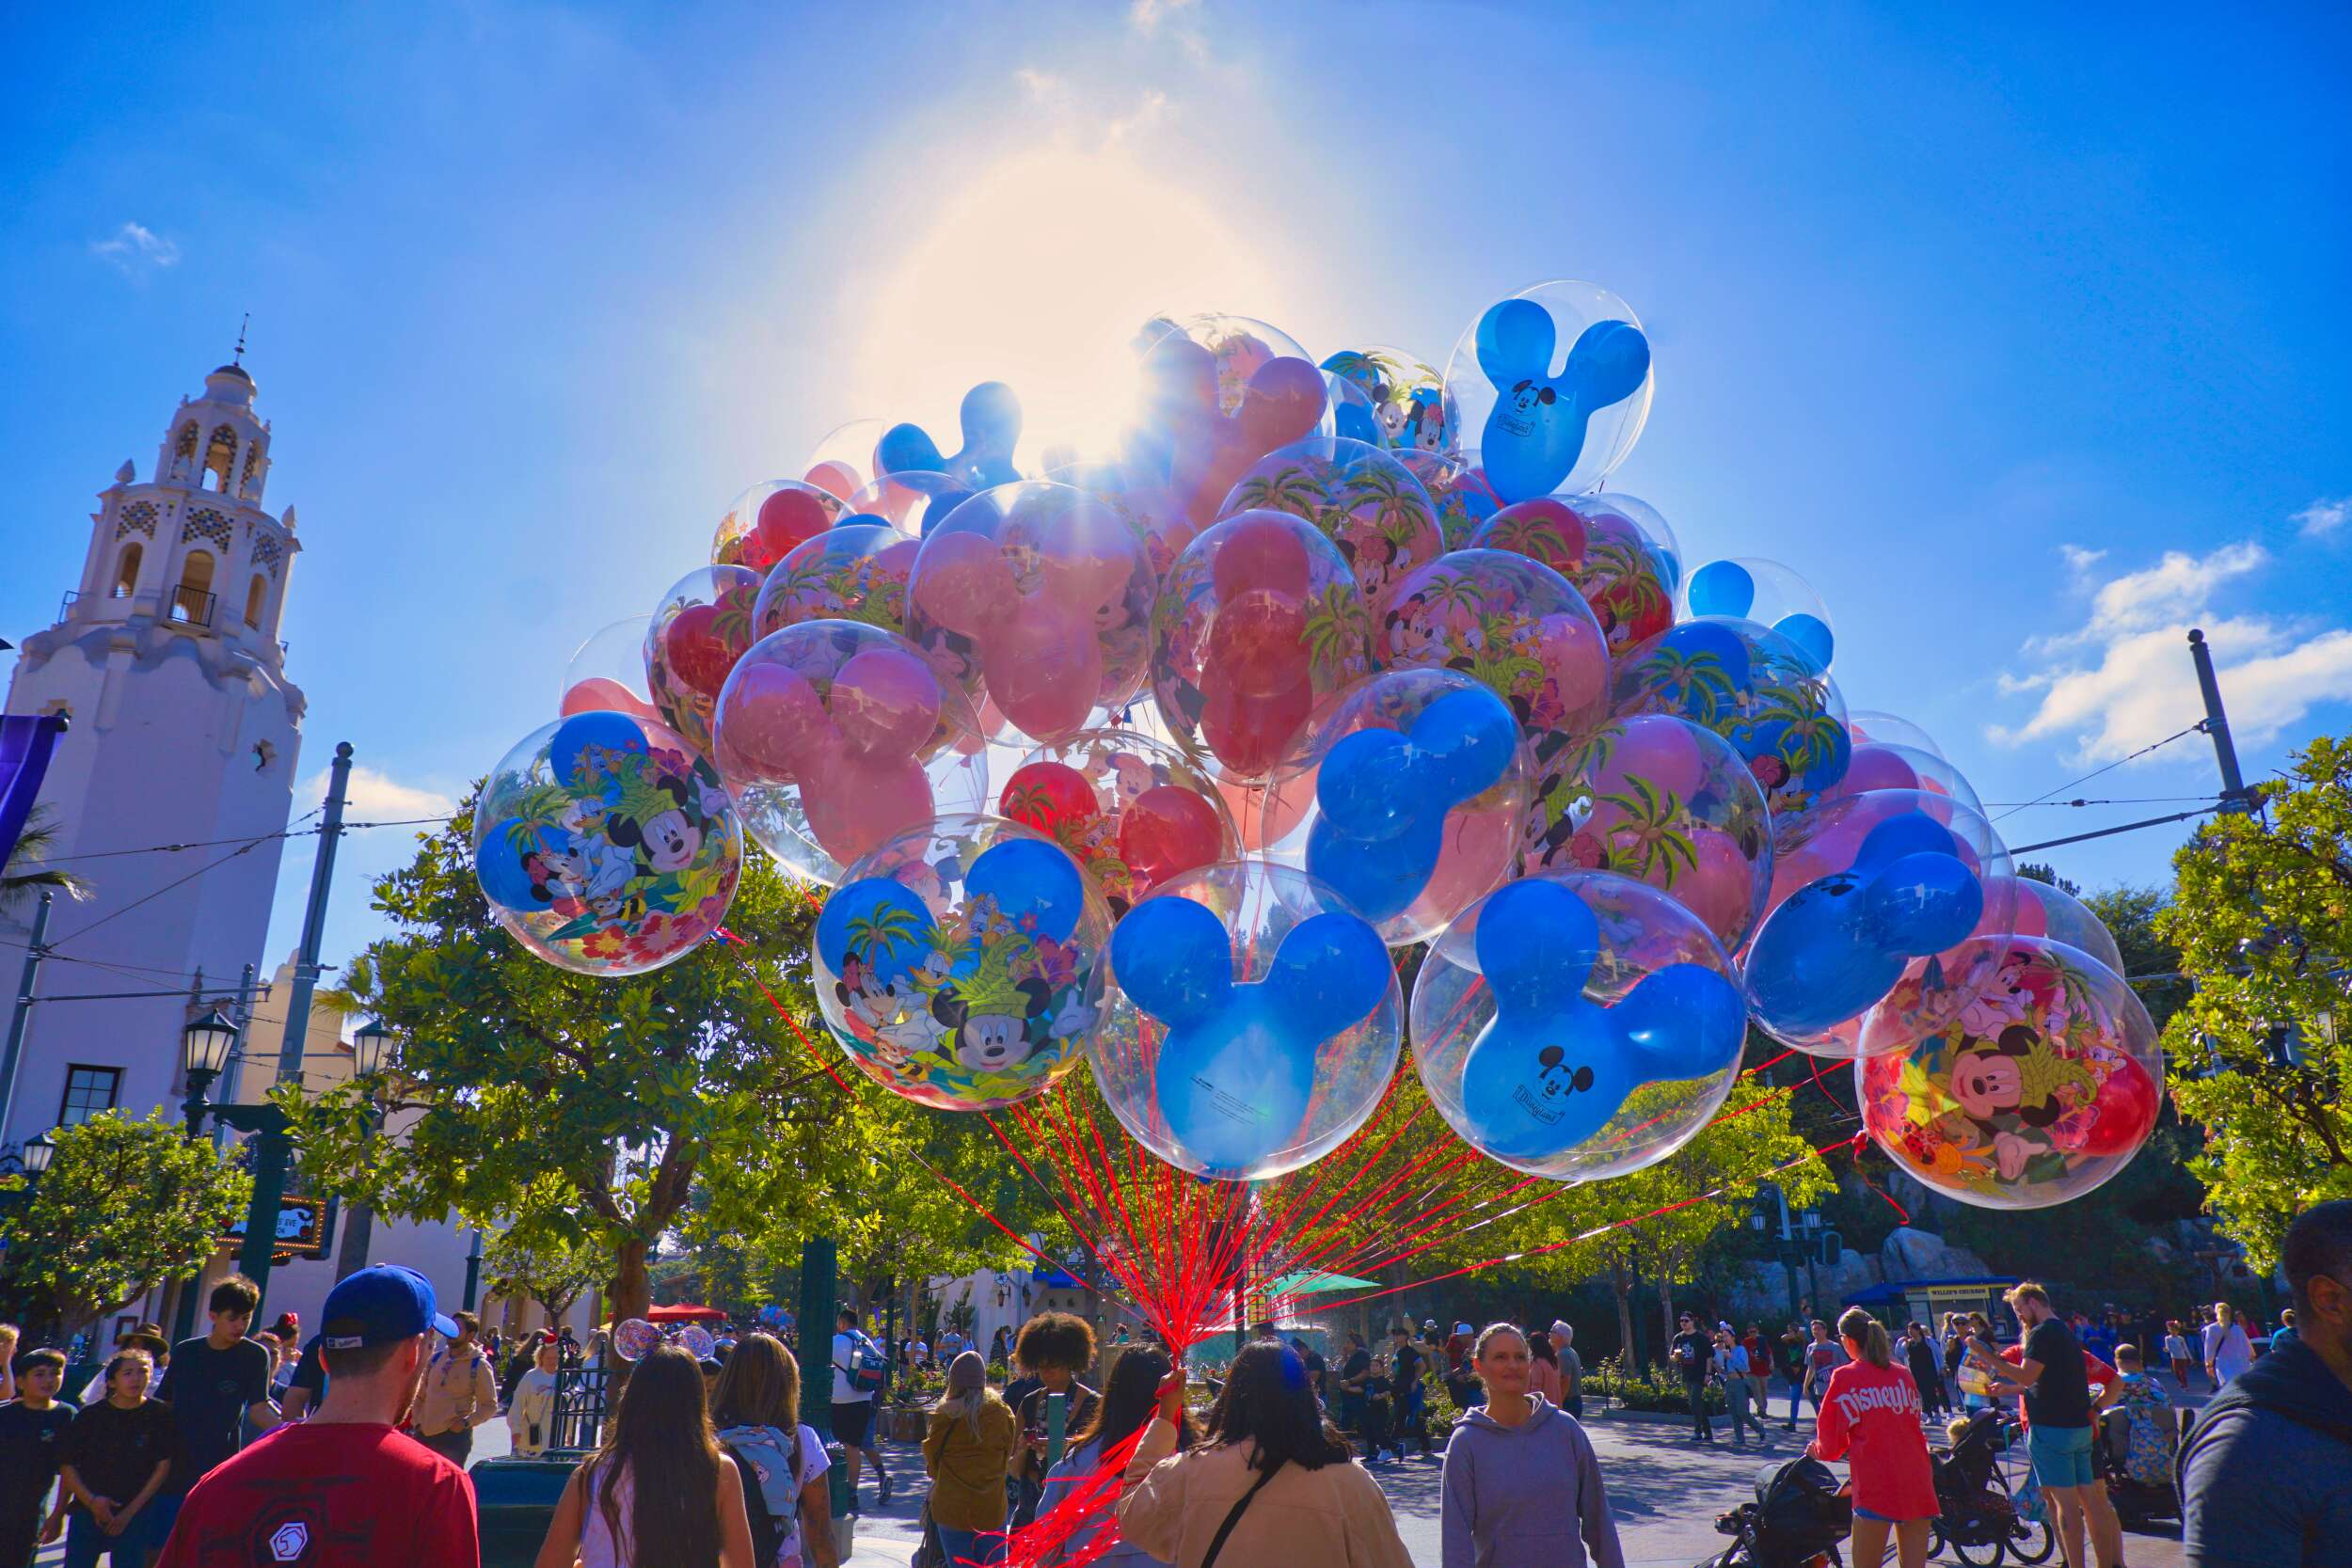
x: 685, y: 1312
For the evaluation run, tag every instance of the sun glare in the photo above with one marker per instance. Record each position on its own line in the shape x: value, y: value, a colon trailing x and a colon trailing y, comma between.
x: 1039, y: 274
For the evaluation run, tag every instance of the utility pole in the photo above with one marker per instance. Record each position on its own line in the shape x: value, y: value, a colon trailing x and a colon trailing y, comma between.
x: 272, y: 1148
x: 2234, y: 794
x: 819, y: 1263
x: 34, y: 952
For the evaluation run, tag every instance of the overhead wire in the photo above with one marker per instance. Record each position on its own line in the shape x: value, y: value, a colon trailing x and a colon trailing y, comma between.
x: 2108, y: 769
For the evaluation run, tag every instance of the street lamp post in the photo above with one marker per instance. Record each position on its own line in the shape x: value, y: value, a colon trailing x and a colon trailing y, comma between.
x: 205, y: 1046
x: 375, y: 1052
x: 1789, y: 1238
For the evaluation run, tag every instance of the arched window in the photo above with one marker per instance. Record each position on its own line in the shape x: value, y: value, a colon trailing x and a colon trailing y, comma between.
x: 249, y: 486
x: 193, y: 602
x: 256, y: 596
x: 127, y: 570
x: 220, y: 458
x: 183, y: 451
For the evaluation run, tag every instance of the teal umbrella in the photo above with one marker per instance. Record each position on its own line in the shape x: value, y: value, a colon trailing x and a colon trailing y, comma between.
x: 1314, y: 1282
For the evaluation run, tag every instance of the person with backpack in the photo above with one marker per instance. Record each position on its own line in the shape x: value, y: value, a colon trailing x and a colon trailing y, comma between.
x: 785, y: 1497
x: 968, y: 1454
x: 1079, y: 1483
x: 1268, y: 1483
x: 859, y: 1372
x: 660, y: 1491
x: 2263, y: 1474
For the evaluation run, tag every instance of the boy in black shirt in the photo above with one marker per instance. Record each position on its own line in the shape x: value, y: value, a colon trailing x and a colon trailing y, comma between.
x: 32, y: 1446
x: 1694, y: 1354
x: 213, y: 1383
x: 116, y: 1455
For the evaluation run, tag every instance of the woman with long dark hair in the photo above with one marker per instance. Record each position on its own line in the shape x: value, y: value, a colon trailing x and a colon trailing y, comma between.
x: 1269, y: 1483
x: 1079, y: 1483
x: 659, y: 1493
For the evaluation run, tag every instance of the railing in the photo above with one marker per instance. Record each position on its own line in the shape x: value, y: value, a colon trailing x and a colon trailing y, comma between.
x: 192, y: 608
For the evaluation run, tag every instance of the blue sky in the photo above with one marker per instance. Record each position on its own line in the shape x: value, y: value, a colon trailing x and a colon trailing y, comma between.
x: 2021, y: 334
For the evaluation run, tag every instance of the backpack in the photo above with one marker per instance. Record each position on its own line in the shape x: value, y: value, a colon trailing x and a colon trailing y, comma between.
x: 767, y: 1537
x: 868, y: 1369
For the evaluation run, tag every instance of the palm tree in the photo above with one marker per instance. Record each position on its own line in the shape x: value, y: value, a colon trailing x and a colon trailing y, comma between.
x: 1631, y: 579
x: 1295, y: 489
x: 1650, y: 814
x: 882, y: 928
x: 1696, y: 680
x: 1337, y: 625
x: 25, y: 877
x: 1812, y: 731
x: 1447, y: 591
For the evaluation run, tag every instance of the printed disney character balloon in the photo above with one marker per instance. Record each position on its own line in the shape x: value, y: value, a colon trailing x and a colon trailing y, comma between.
x: 702, y: 625
x: 844, y: 461
x: 2054, y: 914
x: 1406, y: 399
x: 1135, y: 811
x: 1457, y: 487
x: 633, y: 1338
x: 1255, y: 1023
x: 1420, y: 786
x: 1868, y: 894
x: 1749, y: 588
x: 2033, y: 1091
x: 1364, y: 501
x: 1623, y: 576
x: 1666, y: 803
x: 1202, y: 432
x: 854, y: 571
x: 766, y: 521
x: 1259, y: 620
x: 608, y: 672
x: 695, y: 1340
x: 1576, y: 1026
x: 991, y: 415
x: 1510, y: 623
x: 961, y: 963
x: 835, y: 736
x: 1036, y: 593
x: 1881, y: 765
x: 1772, y: 701
x: 605, y: 845
x: 1540, y: 429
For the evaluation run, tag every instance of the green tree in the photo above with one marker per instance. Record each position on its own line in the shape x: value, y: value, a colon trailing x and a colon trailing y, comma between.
x: 551, y: 1264
x: 2260, y: 1053
x: 553, y: 1103
x: 124, y: 1206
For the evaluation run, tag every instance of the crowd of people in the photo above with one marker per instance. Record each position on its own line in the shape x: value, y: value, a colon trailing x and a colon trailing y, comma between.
x: 217, y: 1453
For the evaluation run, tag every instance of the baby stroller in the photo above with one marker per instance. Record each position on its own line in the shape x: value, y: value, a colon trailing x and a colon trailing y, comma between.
x: 1797, y: 1520
x: 1980, y: 1522
x: 2137, y: 1504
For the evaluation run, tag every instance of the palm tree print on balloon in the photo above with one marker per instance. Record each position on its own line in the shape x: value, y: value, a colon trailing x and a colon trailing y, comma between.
x: 1618, y: 573
x: 1807, y: 735
x: 1649, y: 838
x: 1338, y: 630
x: 1696, y: 683
x: 883, y: 929
x: 1296, y: 488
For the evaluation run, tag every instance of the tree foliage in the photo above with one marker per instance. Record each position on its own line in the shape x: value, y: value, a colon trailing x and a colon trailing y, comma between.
x: 2260, y: 1051
x: 124, y: 1206
x: 549, y: 1264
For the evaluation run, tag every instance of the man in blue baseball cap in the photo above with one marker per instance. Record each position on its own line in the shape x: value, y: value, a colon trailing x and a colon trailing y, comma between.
x: 345, y: 1488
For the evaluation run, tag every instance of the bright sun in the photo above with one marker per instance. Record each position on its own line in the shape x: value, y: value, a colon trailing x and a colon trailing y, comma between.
x: 1039, y: 274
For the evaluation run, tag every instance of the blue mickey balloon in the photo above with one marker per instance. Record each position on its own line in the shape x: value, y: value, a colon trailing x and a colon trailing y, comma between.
x: 1536, y: 431
x: 991, y: 415
x: 1553, y: 1068
x: 1836, y: 946
x: 1385, y: 797
x: 1235, y: 1072
x: 1722, y: 588
x: 1811, y: 634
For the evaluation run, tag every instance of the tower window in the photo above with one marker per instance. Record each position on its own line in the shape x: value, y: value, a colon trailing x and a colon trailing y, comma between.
x: 256, y: 594
x: 221, y: 457
x: 183, y: 451
x: 250, y: 484
x: 192, y: 602
x: 127, y: 571
x: 89, y: 1091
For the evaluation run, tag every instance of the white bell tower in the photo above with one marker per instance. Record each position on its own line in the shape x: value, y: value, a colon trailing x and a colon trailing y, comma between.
x: 183, y: 729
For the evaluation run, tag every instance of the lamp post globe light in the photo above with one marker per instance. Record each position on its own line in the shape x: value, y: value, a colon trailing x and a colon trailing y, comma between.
x: 205, y: 1047
x: 38, y: 1153
x: 374, y: 1049
x: 375, y: 1052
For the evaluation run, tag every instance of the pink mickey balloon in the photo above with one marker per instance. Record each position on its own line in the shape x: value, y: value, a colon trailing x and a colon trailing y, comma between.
x: 885, y: 700
x: 776, y: 726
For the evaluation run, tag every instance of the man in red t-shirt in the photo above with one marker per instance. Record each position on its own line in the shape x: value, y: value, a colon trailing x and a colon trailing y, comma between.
x: 344, y: 1489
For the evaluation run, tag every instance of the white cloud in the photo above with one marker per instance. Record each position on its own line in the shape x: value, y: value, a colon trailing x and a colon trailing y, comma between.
x: 135, y: 251
x: 373, y: 796
x: 2125, y: 680
x: 1041, y: 86
x: 2324, y: 516
x: 2078, y: 560
x: 1145, y: 16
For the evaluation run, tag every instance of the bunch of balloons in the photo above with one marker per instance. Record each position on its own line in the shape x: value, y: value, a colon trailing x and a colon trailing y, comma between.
x: 1148, y: 758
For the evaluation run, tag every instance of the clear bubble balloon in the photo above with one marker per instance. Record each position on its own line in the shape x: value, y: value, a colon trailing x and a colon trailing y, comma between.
x: 1872, y: 896
x: 1869, y: 724
x: 853, y: 571
x: 1041, y: 595
x: 2037, y: 1089
x: 608, y: 672
x: 1663, y: 802
x: 695, y: 1340
x: 1255, y: 1021
x: 835, y: 736
x: 1406, y: 397
x: 914, y: 502
x: 1511, y: 623
x: 1665, y: 549
x: 1879, y: 764
x: 1348, y: 413
x: 763, y: 523
x: 1750, y: 588
x: 702, y: 625
x: 1772, y: 701
x: 961, y: 963
x: 1137, y: 812
x: 633, y: 1339
x: 1363, y: 500
x: 1259, y: 620
x: 605, y: 845
x: 1240, y: 347
x: 2058, y: 916
x: 1578, y: 1025
x: 1553, y: 385
x: 844, y: 462
x: 1201, y: 430
x: 1457, y: 487
x: 1420, y: 784
x: 1602, y: 552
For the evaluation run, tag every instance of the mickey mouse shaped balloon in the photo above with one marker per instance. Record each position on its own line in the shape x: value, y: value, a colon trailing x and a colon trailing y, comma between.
x: 961, y: 963
x: 1201, y: 445
x: 833, y: 737
x: 1255, y: 1023
x: 1752, y: 588
x: 991, y: 415
x: 1420, y: 788
x: 1579, y: 1026
x: 1539, y: 429
x: 767, y: 521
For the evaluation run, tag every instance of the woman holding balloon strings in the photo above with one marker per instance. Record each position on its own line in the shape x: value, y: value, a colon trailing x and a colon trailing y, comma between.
x: 1523, y: 1486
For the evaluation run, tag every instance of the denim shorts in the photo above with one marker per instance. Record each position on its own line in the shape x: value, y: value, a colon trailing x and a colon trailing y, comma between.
x: 2060, y: 1455
x: 1860, y: 1513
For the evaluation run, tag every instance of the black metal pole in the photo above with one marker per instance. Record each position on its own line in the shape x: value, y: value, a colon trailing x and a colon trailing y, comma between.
x: 34, y: 952
x: 2233, y: 793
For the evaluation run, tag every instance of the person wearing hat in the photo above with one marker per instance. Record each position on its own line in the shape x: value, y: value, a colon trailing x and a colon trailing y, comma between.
x: 146, y: 1337
x: 345, y: 1488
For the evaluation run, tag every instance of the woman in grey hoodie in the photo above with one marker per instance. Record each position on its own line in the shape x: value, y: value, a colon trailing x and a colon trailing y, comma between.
x: 1523, y: 1486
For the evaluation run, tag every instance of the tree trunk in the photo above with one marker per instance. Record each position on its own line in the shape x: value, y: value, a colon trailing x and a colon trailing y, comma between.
x: 1621, y: 1281
x: 632, y: 1285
